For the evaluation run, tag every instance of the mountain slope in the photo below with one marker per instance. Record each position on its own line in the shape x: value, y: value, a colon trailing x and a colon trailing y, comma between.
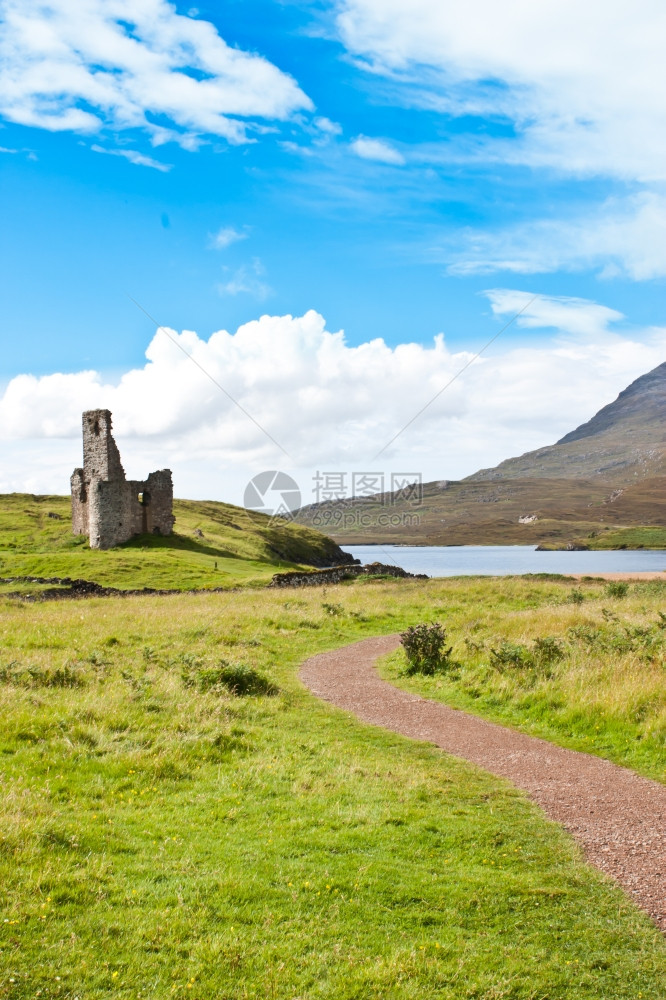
x: 605, y: 477
x: 624, y: 441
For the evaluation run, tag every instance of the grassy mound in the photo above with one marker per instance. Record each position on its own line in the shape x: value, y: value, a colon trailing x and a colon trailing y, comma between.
x: 214, y: 545
x: 164, y: 835
x: 645, y: 537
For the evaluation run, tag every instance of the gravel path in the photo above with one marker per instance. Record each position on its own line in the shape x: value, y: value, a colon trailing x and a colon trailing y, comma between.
x: 618, y: 817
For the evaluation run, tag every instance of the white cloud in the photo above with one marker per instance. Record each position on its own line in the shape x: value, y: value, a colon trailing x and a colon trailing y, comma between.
x: 377, y: 149
x: 247, y: 279
x: 30, y: 155
x: 573, y: 316
x: 330, y: 405
x: 581, y: 83
x: 622, y: 237
x: 134, y: 157
x: 225, y: 236
x: 327, y: 126
x: 124, y: 63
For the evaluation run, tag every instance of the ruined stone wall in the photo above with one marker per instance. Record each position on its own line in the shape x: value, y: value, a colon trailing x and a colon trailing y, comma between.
x: 152, y: 504
x: 101, y: 457
x: 110, y: 521
x: 105, y: 506
x: 160, y: 485
x: 79, y: 503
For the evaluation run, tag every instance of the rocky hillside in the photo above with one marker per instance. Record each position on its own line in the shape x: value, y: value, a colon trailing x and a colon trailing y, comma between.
x: 604, y: 478
x: 624, y: 441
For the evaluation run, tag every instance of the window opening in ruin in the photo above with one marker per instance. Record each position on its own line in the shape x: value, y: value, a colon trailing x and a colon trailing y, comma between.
x: 96, y: 428
x: 144, y: 498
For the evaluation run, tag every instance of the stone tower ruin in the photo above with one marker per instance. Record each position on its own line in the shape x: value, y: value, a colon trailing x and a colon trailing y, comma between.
x: 107, y: 507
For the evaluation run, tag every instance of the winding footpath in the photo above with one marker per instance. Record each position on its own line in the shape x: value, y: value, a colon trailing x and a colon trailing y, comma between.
x: 617, y: 817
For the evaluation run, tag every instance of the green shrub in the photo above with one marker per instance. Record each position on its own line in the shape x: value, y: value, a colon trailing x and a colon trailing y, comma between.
x: 10, y: 673
x: 67, y: 676
x: 241, y: 679
x: 617, y: 588
x: 236, y: 678
x: 511, y: 654
x: 424, y: 647
x: 547, y: 650
x: 576, y: 596
x: 58, y: 677
x: 588, y: 634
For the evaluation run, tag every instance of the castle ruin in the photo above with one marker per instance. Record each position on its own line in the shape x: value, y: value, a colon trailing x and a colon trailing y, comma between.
x: 107, y: 507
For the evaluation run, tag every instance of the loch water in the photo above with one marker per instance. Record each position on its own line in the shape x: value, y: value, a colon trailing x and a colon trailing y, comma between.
x: 505, y: 560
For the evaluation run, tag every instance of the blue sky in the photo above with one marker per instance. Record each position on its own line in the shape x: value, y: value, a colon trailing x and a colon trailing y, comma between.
x: 389, y: 165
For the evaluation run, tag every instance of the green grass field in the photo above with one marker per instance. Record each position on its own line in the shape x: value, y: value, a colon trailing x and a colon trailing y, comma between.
x: 162, y: 836
x: 214, y: 545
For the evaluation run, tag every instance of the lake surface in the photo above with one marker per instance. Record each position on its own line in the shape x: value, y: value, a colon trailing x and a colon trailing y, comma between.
x: 503, y: 560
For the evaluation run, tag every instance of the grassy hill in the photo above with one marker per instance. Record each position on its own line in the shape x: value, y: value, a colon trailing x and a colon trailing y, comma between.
x: 489, y: 513
x: 214, y: 545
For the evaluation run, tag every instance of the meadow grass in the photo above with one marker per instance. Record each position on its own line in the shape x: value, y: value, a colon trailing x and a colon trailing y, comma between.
x: 161, y: 836
x: 213, y: 545
x: 602, y: 691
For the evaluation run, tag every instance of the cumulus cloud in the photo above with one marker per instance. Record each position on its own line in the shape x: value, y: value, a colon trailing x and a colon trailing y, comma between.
x: 329, y: 405
x: 582, y: 85
x: 225, y: 236
x: 377, y: 149
x: 123, y: 64
x: 623, y: 237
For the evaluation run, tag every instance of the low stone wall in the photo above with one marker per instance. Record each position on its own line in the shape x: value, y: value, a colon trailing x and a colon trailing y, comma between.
x: 339, y: 574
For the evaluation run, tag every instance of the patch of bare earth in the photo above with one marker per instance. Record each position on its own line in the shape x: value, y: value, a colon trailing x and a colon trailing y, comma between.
x: 618, y: 817
x: 640, y: 575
